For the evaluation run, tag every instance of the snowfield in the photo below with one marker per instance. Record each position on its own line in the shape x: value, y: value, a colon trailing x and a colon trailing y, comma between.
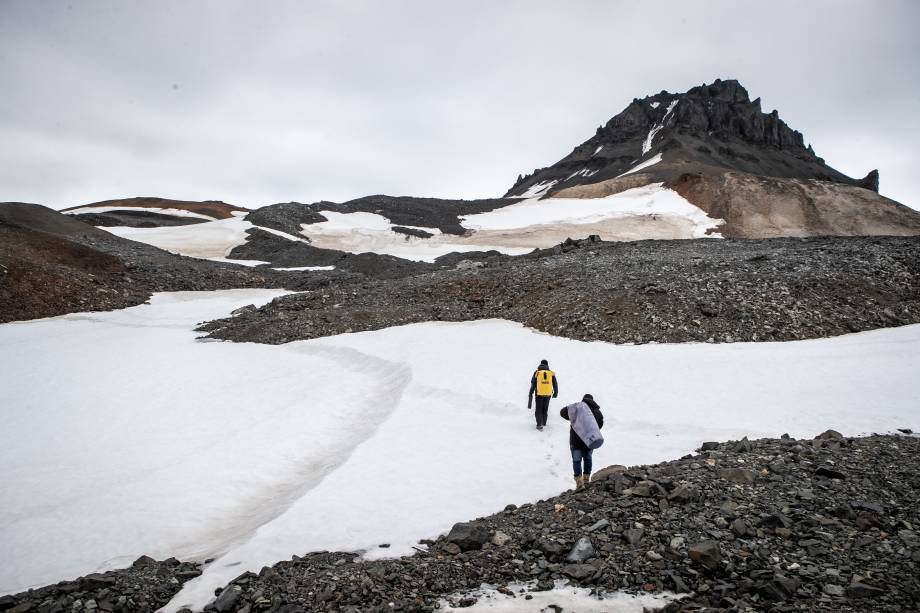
x: 647, y: 212
x: 124, y: 435
x: 212, y: 240
x: 138, y: 209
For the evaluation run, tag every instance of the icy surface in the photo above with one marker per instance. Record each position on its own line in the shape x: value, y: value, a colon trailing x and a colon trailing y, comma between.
x: 370, y: 232
x: 651, y: 211
x: 642, y: 165
x: 596, y: 151
x: 107, y: 209
x: 653, y: 199
x: 538, y: 189
x: 647, y: 144
x: 124, y: 436
x: 654, y: 105
x: 212, y: 240
x: 566, y: 597
x: 307, y: 268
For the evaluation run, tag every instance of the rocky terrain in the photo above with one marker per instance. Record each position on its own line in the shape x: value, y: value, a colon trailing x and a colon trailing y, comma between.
x: 51, y: 264
x: 131, y: 212
x: 829, y: 524
x: 640, y: 292
x: 144, y: 587
x: 401, y: 210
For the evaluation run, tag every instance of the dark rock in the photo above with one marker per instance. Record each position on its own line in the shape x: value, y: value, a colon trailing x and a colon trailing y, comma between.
x: 578, y: 571
x: 144, y: 561
x: 707, y: 554
x: 96, y: 581
x: 633, y: 536
x: 829, y: 472
x: 861, y: 590
x: 775, y: 520
x: 739, y: 527
x: 228, y: 598
x: 737, y: 475
x: 582, y: 550
x: 468, y: 536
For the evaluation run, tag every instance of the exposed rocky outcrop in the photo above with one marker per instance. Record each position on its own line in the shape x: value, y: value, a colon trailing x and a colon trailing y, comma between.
x: 714, y: 125
x: 438, y: 213
x: 143, y: 587
x: 135, y: 219
x: 51, y: 264
x: 216, y: 209
x: 663, y: 291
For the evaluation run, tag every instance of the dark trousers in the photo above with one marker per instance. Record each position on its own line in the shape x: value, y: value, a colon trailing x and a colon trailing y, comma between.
x: 542, y: 409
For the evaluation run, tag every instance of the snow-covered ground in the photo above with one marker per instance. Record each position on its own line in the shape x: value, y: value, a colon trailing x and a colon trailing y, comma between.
x: 651, y: 211
x: 123, y: 435
x: 213, y: 240
x: 648, y: 212
x: 566, y: 598
x: 138, y: 209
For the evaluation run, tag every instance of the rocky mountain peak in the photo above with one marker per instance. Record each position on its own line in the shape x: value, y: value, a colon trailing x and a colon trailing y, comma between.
x: 715, y: 125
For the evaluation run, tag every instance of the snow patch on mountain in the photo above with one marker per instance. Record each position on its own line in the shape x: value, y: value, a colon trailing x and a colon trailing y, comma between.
x: 131, y: 209
x: 648, y: 200
x: 642, y: 165
x: 650, y: 211
x: 647, y: 144
x: 213, y: 240
x: 538, y: 189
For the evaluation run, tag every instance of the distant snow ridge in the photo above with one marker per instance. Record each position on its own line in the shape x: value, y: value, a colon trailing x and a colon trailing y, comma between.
x: 138, y: 209
x: 213, y: 240
x: 647, y: 145
x: 647, y: 212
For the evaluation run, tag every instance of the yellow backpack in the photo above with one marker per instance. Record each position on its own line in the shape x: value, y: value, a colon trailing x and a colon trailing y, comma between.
x: 544, y: 382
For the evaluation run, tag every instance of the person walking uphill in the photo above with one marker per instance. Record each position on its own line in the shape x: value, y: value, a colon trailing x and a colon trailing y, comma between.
x: 584, y: 436
x: 544, y: 384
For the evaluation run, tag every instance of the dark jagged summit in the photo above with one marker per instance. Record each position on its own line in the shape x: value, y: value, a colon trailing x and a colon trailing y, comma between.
x: 716, y: 125
x: 721, y: 152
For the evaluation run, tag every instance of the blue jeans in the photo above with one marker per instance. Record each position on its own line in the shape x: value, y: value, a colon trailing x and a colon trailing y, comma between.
x: 577, y: 457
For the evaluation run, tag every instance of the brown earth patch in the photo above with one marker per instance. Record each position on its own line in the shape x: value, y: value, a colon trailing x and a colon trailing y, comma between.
x: 212, y: 208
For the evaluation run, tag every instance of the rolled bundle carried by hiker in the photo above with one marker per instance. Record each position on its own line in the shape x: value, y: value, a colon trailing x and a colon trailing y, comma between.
x: 584, y: 436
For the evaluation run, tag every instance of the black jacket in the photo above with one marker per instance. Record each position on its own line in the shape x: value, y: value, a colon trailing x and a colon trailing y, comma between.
x: 533, y: 386
x: 575, y: 441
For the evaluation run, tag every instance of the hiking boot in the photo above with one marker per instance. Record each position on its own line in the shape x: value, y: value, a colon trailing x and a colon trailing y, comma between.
x: 540, y: 428
x: 579, y: 482
x: 587, y: 479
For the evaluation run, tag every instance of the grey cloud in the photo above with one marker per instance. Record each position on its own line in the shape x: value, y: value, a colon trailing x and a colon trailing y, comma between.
x: 257, y: 103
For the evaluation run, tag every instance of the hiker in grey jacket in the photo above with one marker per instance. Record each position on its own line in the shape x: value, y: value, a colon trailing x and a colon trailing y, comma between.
x: 584, y: 435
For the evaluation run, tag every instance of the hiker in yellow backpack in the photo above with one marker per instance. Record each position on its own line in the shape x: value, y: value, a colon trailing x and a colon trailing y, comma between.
x: 544, y: 384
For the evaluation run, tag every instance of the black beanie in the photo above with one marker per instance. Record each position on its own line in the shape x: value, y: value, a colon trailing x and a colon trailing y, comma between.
x: 587, y: 397
x: 544, y: 363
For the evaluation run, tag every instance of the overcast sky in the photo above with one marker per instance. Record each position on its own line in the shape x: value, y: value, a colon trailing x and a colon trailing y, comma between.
x: 262, y: 102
